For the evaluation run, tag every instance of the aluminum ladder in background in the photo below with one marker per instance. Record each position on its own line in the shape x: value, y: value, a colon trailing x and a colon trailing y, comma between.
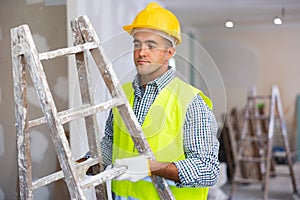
x: 262, y: 140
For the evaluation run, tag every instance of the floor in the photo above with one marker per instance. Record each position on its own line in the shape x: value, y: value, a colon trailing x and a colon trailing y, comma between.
x: 280, y: 187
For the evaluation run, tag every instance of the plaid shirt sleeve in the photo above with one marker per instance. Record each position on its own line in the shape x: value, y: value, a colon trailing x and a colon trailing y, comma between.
x: 201, y: 147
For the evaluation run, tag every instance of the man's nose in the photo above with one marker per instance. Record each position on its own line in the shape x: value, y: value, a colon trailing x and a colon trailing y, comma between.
x: 143, y: 50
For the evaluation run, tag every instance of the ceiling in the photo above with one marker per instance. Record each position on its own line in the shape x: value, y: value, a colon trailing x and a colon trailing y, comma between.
x: 213, y: 13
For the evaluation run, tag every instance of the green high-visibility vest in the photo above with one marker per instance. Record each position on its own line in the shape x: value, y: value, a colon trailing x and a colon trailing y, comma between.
x: 163, y: 128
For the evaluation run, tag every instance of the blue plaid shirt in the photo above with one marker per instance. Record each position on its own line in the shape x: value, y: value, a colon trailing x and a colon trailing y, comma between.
x: 201, y: 146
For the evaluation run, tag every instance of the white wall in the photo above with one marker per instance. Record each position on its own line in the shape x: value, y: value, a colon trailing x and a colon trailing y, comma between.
x: 196, y: 66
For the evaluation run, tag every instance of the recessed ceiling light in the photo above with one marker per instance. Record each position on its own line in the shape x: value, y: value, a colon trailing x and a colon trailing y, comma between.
x: 229, y: 24
x: 277, y: 21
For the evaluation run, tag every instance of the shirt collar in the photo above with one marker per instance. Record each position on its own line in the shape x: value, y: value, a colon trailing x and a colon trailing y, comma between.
x: 160, y: 82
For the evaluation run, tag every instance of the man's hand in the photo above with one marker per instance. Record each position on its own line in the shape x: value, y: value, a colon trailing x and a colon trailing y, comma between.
x: 137, y: 168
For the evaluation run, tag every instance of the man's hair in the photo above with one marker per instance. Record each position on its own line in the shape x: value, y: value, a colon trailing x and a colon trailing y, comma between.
x: 171, y: 39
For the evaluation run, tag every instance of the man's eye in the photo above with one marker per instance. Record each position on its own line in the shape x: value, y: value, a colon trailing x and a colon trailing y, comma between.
x: 137, y: 46
x: 151, y: 47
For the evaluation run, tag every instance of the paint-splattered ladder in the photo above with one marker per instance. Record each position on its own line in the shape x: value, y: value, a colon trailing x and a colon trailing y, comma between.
x: 25, y: 56
x: 258, y: 130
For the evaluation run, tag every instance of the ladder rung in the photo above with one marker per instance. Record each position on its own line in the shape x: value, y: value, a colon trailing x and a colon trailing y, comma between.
x: 257, y: 117
x: 247, y: 180
x: 59, y: 175
x: 251, y: 159
x: 68, y: 51
x: 47, y: 179
x: 86, y: 164
x: 92, y: 181
x: 280, y: 174
x: 260, y: 97
x: 83, y: 111
x: 256, y: 138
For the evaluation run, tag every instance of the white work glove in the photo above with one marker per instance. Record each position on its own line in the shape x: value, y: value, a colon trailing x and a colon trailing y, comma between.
x: 137, y: 168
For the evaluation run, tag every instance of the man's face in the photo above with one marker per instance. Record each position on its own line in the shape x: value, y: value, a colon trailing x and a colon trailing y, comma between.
x: 151, y: 55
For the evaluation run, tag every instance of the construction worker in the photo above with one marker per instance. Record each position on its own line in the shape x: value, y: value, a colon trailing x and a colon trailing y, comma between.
x: 176, y: 118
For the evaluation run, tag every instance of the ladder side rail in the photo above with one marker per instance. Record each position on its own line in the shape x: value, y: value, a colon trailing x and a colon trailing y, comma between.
x: 235, y: 124
x: 239, y: 169
x: 125, y: 110
x: 254, y: 130
x: 245, y: 117
x: 285, y: 136
x: 235, y: 130
x: 232, y: 141
x: 264, y: 126
x: 21, y: 113
x: 258, y: 150
x: 270, y: 144
x: 247, y: 128
x: 87, y: 97
x: 57, y: 132
x: 243, y: 133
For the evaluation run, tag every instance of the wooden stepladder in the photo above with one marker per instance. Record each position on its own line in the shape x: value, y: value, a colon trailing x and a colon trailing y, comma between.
x: 25, y: 56
x: 258, y: 131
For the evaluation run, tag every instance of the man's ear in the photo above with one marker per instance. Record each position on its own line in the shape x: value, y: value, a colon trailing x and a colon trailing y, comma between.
x: 171, y: 52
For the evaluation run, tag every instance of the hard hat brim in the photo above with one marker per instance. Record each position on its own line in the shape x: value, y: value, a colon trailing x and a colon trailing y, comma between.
x: 129, y: 28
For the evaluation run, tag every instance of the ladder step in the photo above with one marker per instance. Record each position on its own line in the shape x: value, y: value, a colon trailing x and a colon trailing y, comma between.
x: 68, y: 51
x: 47, y: 180
x: 247, y: 180
x: 260, y: 117
x: 255, y: 138
x: 260, y: 97
x: 83, y: 111
x: 88, y: 182
x: 59, y: 175
x: 280, y: 174
x: 92, y: 181
x: 251, y: 159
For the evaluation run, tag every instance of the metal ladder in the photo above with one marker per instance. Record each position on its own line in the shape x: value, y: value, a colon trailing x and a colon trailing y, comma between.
x: 25, y: 56
x: 258, y: 129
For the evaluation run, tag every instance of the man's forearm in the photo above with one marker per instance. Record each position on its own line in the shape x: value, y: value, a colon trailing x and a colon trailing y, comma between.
x: 165, y: 170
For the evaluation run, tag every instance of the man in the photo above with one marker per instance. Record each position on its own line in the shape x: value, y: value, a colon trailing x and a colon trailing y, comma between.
x: 176, y: 118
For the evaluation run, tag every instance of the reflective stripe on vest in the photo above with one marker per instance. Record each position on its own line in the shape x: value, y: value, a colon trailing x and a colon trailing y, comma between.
x: 162, y: 127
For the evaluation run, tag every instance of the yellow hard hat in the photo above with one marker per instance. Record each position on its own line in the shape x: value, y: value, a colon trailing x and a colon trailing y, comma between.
x: 157, y: 18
